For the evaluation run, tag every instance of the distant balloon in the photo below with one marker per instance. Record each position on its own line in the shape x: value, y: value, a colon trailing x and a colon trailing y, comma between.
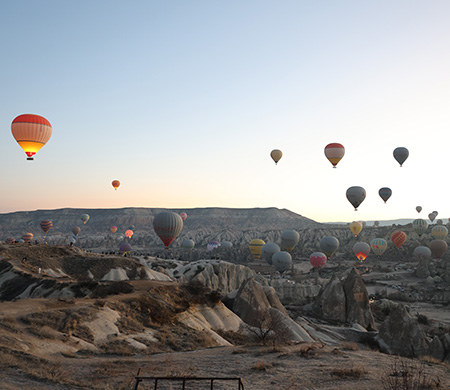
x: 422, y: 252
x: 188, y: 244
x: 439, y: 232
x: 85, y: 218
x: 31, y: 132
x: 420, y: 226
x: 432, y: 216
x: 418, y: 209
x: 398, y: 238
x: 385, y: 193
x: 329, y: 245
x: 132, y: 227
x: 378, y: 245
x: 356, y: 228
x: 289, y: 240
x: 255, y: 247
x: 439, y: 222
x: 318, y: 259
x: 376, y: 224
x: 183, y: 216
x: 401, y: 154
x: 10, y: 240
x: 268, y: 250
x: 334, y: 153
x: 76, y: 230
x: 226, y: 244
x: 115, y: 184
x: 27, y: 237
x: 361, y: 250
x: 212, y: 245
x: 435, y: 213
x: 438, y: 248
x: 129, y: 233
x: 167, y: 226
x: 125, y: 248
x: 276, y: 155
x: 356, y: 196
x: 113, y: 229
x: 46, y: 225
x: 282, y: 261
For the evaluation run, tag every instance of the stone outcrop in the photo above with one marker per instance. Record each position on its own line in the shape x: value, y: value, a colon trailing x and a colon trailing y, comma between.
x: 403, y: 334
x: 330, y: 304
x: 295, y: 294
x: 436, y: 349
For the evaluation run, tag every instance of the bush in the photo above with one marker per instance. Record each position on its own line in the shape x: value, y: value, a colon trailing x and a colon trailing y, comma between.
x: 407, y: 374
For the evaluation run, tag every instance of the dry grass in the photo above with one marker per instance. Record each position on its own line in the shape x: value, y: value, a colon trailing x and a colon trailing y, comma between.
x: 262, y: 365
x: 10, y: 324
x: 353, y: 372
x: 349, y: 346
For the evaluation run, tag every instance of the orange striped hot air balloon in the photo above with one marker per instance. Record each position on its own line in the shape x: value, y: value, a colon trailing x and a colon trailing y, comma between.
x: 31, y: 132
x: 46, y: 225
x: 334, y: 153
x: 27, y: 237
x: 398, y: 238
x: 115, y: 184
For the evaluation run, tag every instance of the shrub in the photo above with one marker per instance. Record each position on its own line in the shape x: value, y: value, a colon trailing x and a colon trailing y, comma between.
x: 407, y: 374
x: 349, y: 372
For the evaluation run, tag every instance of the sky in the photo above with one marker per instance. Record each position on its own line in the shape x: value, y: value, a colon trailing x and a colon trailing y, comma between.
x: 183, y: 101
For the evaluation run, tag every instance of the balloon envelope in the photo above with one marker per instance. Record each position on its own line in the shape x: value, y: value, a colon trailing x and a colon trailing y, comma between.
x: 212, y: 245
x: 115, y: 184
x: 334, y: 153
x: 385, y: 193
x: 268, y: 250
x: 76, y: 230
x: 422, y: 252
x: 418, y: 209
x: 329, y: 245
x: 226, y: 244
x: 85, y: 218
x: 432, y: 216
x: 420, y: 226
x: 356, y: 227
x: 276, y: 155
x: 282, y: 261
x: 46, y: 225
x: 188, y: 244
x: 27, y: 237
x: 183, y: 216
x: 361, y: 250
x: 398, y: 238
x: 438, y: 248
x: 125, y: 247
x: 439, y: 232
x: 31, y: 132
x: 113, y: 229
x: 289, y: 239
x: 378, y: 245
x: 167, y: 226
x: 255, y: 247
x: 401, y: 154
x: 129, y: 233
x: 356, y: 196
x: 318, y: 259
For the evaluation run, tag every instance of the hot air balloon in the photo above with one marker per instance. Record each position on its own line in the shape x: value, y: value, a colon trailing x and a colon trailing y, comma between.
x: 439, y: 232
x: 378, y: 245
x: 334, y: 153
x: 226, y: 244
x: 422, y: 253
x: 356, y: 228
x: 167, y: 226
x: 10, y: 240
x: 438, y: 248
x: 212, y: 245
x: 329, y: 245
x: 289, y: 239
x: 276, y: 155
x: 356, y: 196
x: 420, y: 226
x: 376, y: 224
x: 268, y: 250
x: 125, y: 248
x: 31, y: 132
x: 361, y: 250
x: 385, y: 193
x: 432, y: 216
x: 439, y: 222
x: 129, y: 233
x: 435, y: 213
x: 131, y: 227
x: 418, y: 209
x: 85, y: 218
x: 188, y: 244
x: 318, y: 259
x: 401, y: 154
x: 115, y: 184
x: 255, y: 247
x: 76, y: 230
x: 183, y: 216
x: 282, y: 261
x: 27, y: 237
x: 113, y: 229
x: 46, y: 225
x: 398, y: 238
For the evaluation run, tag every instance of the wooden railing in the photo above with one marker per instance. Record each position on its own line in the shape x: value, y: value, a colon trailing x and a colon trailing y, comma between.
x: 155, y: 380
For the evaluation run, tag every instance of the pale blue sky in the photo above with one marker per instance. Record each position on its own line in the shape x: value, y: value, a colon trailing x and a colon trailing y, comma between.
x: 182, y: 101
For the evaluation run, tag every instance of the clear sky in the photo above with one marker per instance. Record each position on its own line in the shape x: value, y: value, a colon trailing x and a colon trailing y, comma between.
x: 182, y: 101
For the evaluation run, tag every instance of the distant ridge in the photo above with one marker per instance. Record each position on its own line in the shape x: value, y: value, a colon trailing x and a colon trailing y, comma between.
x: 208, y: 218
x: 390, y: 222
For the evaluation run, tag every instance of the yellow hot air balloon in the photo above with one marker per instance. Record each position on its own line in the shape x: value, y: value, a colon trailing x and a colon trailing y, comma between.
x: 356, y: 228
x: 31, y: 132
x: 276, y: 155
x: 255, y: 247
